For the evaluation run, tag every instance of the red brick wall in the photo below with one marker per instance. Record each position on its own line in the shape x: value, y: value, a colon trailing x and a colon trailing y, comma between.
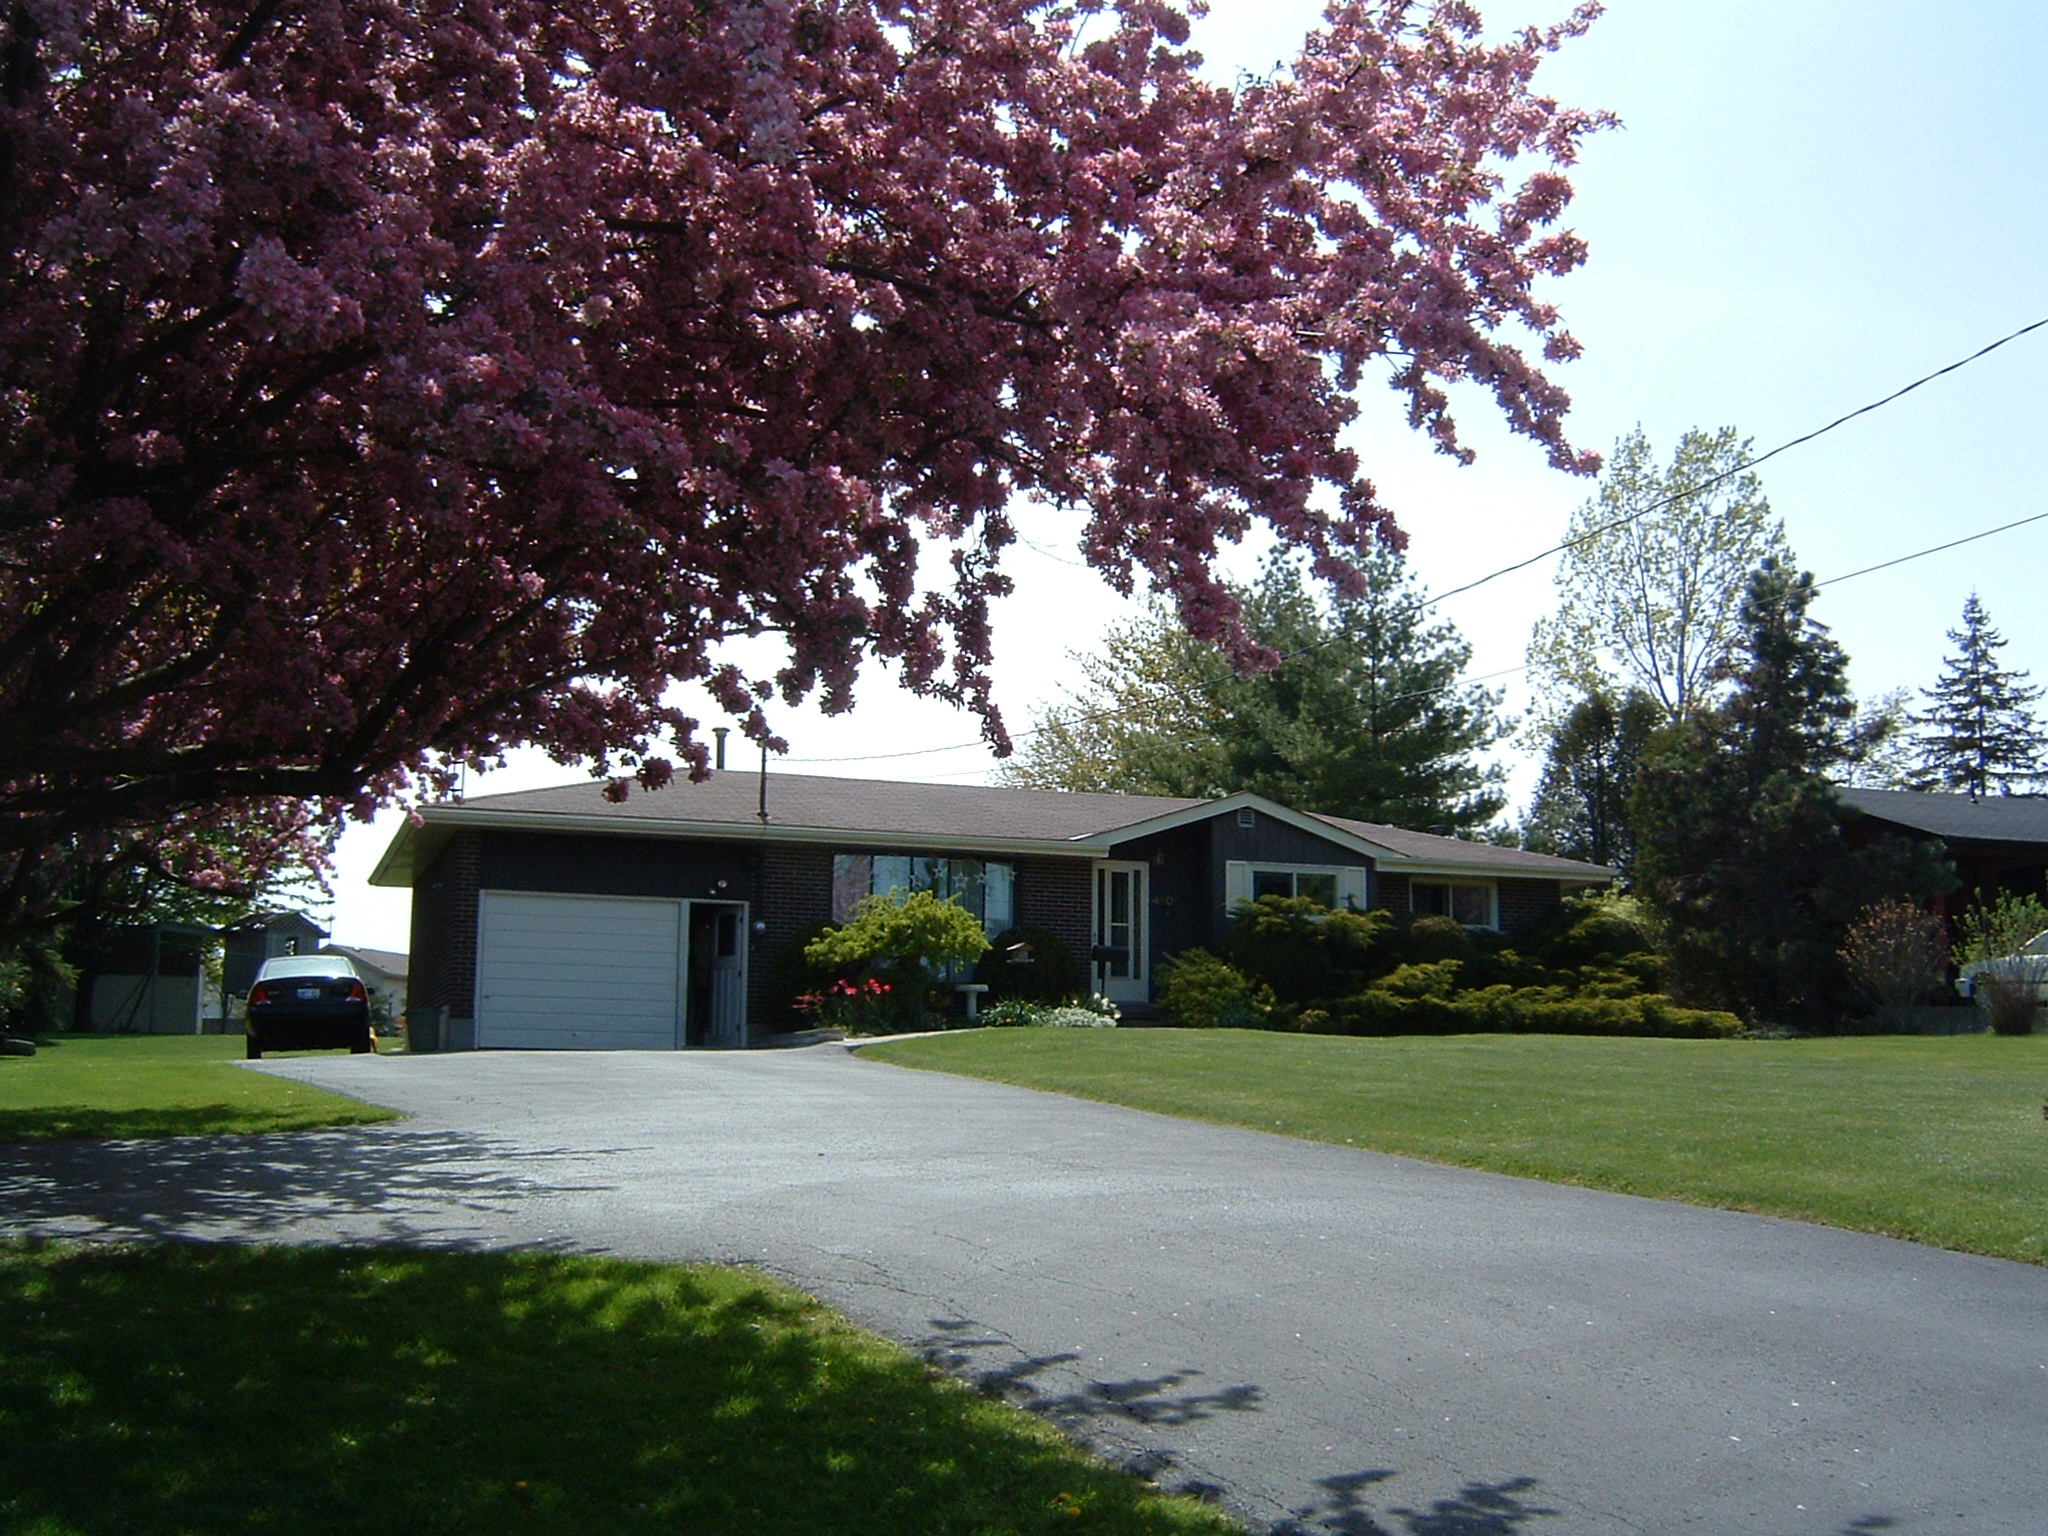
x: 444, y: 911
x: 1523, y: 902
x: 795, y: 892
x: 1392, y: 893
x: 1058, y: 895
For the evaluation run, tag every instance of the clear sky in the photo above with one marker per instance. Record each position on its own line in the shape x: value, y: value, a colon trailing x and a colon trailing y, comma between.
x: 1808, y: 205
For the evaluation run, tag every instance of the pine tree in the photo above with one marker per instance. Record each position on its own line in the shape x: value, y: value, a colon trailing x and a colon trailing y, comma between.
x: 1366, y: 714
x: 1739, y: 843
x: 1580, y: 809
x: 1981, y: 732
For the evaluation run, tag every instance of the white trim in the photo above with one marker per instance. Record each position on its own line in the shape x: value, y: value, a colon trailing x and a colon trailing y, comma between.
x: 1137, y: 986
x: 1315, y: 826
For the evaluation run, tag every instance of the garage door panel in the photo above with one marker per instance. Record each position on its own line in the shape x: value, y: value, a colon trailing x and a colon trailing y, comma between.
x: 561, y: 972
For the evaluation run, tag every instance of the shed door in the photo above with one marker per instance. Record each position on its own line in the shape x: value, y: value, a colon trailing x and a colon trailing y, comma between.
x: 578, y: 972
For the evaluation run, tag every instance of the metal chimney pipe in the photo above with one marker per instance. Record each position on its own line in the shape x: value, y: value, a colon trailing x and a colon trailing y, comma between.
x: 763, y: 811
x: 718, y: 753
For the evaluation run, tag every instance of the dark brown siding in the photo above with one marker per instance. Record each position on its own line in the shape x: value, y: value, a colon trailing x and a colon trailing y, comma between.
x: 444, y: 905
x: 578, y: 864
x: 1185, y: 913
x: 1523, y: 902
x: 1058, y: 896
x: 795, y: 894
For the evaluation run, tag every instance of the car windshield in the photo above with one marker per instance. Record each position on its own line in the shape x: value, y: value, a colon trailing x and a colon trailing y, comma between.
x: 285, y: 966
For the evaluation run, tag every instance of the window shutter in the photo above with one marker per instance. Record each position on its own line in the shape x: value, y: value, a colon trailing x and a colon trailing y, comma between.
x: 1351, y: 887
x: 1237, y: 883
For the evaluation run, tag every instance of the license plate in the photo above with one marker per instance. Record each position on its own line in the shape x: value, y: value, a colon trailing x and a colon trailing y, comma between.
x: 305, y: 993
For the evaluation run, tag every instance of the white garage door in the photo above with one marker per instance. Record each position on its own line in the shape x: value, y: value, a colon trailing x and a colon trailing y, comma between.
x: 567, y: 973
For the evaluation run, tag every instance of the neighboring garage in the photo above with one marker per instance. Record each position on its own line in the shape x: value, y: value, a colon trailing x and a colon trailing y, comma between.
x: 568, y: 972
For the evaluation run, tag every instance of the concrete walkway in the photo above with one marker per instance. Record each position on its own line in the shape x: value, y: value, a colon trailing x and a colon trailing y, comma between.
x: 1325, y: 1339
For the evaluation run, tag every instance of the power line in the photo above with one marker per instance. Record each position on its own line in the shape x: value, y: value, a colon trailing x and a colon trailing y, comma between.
x: 1685, y: 494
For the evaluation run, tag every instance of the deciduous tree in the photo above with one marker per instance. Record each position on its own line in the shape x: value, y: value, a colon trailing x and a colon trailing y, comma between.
x: 386, y: 384
x: 1650, y: 591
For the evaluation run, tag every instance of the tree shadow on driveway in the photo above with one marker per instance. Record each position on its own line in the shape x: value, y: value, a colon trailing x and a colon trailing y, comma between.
x: 441, y: 1189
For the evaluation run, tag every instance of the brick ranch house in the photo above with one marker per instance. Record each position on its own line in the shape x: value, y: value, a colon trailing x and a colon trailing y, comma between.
x: 555, y: 919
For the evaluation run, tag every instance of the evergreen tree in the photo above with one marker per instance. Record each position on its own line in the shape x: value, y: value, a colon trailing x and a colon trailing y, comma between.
x: 1981, y: 732
x: 1580, y: 810
x: 1363, y: 716
x: 1738, y: 836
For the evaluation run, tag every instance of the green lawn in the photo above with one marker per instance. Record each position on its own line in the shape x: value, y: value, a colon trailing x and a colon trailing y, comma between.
x: 156, y: 1085
x: 265, y: 1390
x: 1941, y: 1140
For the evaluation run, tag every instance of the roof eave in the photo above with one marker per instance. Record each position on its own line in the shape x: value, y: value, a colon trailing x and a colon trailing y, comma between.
x: 396, y: 867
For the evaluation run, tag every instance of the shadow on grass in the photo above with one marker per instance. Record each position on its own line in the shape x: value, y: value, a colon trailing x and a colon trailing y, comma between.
x: 244, y: 1390
x: 451, y: 1189
x: 71, y: 1122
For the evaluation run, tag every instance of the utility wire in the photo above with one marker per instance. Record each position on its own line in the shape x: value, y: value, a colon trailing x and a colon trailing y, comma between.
x: 1685, y: 494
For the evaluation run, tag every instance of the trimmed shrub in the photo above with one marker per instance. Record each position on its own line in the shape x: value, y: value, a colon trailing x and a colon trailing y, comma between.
x: 1438, y: 938
x: 1520, y: 1011
x: 1304, y: 951
x: 1198, y: 990
x: 1052, y: 975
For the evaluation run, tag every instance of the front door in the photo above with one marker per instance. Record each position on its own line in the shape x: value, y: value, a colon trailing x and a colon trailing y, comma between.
x: 718, y: 975
x: 1120, y: 969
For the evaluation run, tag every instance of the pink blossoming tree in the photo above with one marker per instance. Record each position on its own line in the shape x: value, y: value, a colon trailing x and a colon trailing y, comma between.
x: 390, y: 382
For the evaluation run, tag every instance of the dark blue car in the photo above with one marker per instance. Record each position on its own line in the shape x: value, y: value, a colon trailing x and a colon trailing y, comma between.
x: 308, y: 1003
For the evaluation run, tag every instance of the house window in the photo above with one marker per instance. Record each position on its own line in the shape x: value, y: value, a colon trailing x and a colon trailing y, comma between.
x: 984, y: 887
x: 1327, y: 886
x: 1470, y: 902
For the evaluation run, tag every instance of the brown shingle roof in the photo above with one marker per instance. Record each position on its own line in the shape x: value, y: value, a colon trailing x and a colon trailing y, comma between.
x: 966, y: 811
x: 1488, y: 857
x: 1961, y: 818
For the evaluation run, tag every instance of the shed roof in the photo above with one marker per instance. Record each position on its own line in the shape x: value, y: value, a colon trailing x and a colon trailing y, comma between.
x: 1957, y: 818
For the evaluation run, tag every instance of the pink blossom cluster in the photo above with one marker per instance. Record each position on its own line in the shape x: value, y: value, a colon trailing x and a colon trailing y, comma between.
x: 391, y: 382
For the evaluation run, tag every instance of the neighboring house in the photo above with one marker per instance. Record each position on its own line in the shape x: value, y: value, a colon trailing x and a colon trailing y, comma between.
x: 556, y: 918
x: 264, y: 936
x: 384, y: 974
x: 1996, y: 842
x: 147, y: 980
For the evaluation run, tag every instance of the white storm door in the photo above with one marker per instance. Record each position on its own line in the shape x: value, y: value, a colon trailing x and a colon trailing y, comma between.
x: 1120, y: 927
x: 569, y: 973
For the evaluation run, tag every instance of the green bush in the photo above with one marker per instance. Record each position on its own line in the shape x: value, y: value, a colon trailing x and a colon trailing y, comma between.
x: 1438, y: 938
x: 1517, y: 1010
x: 1052, y: 974
x: 1304, y: 951
x: 901, y: 943
x: 1198, y: 990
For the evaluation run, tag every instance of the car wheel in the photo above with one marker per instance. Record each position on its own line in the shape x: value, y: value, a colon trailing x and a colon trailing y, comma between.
x: 362, y: 1044
x: 255, y: 1051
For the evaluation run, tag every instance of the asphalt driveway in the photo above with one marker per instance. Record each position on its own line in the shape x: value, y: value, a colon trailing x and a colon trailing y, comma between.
x: 1326, y: 1339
